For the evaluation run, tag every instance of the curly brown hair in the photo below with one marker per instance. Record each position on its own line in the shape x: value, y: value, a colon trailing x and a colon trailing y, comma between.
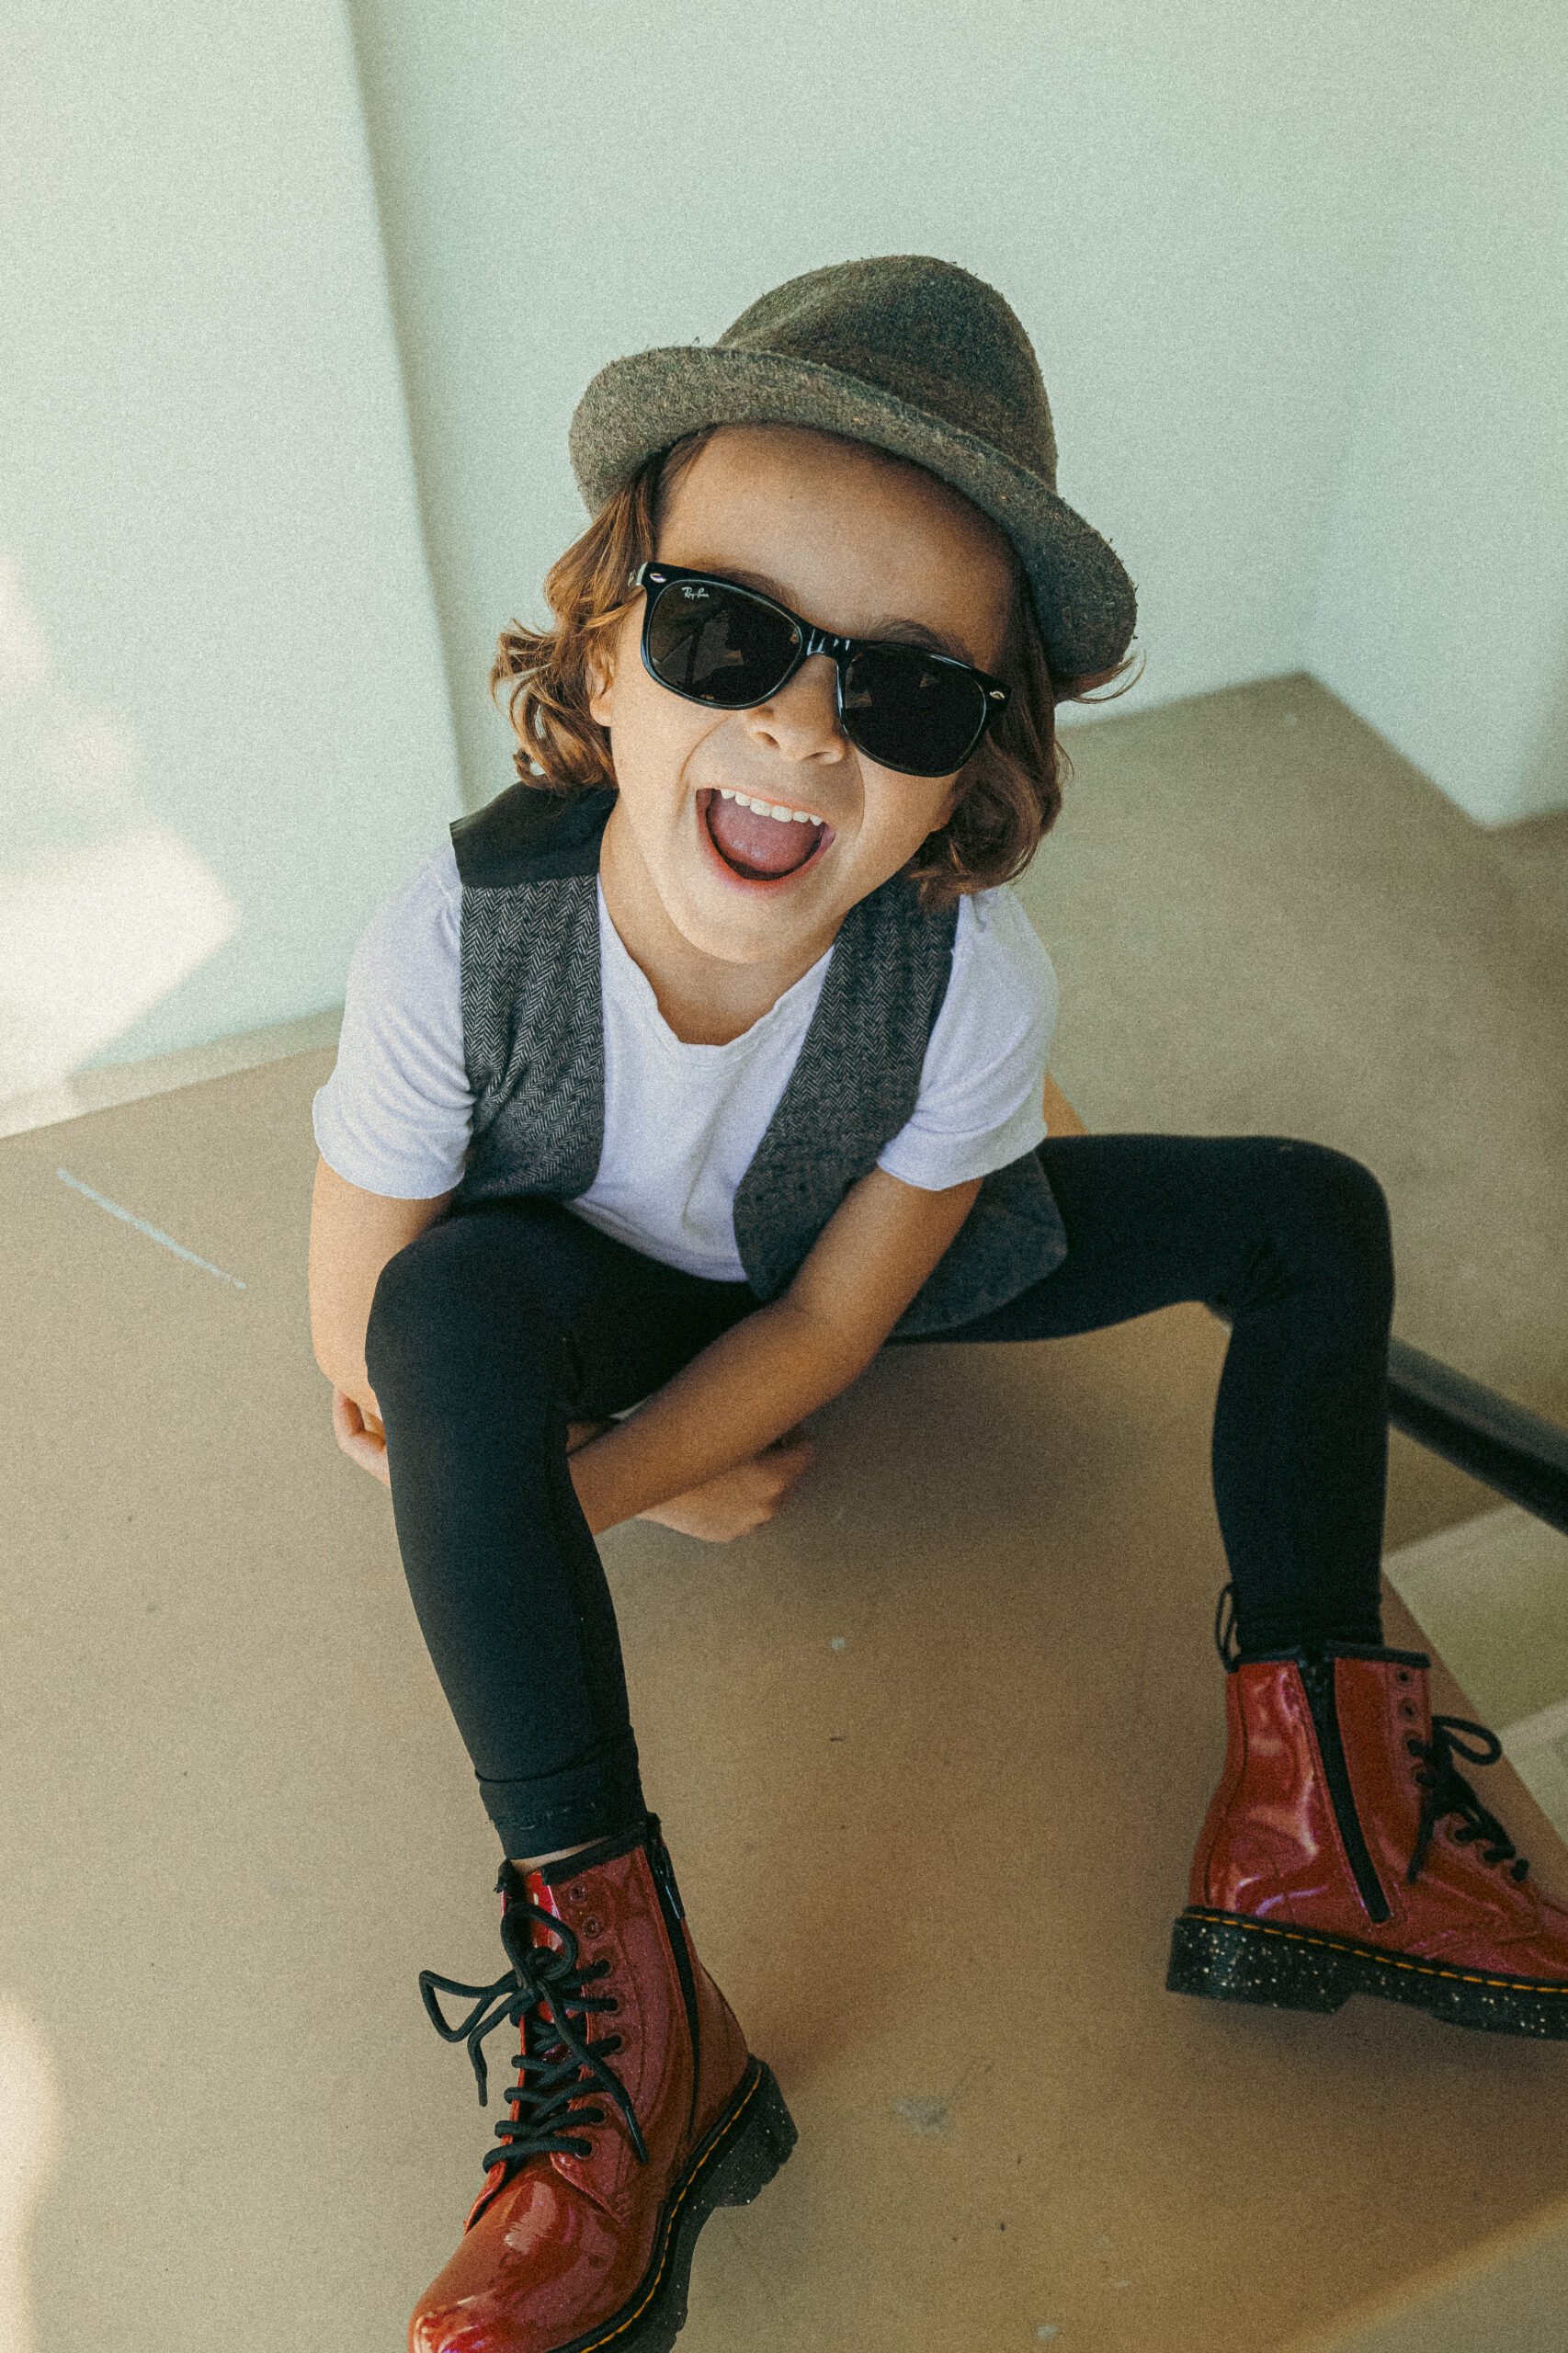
x: 1012, y: 792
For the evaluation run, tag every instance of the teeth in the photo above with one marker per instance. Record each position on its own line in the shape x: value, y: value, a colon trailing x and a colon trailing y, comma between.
x: 767, y: 809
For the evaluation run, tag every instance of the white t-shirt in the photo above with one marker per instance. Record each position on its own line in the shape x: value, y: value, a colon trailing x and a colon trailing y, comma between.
x: 682, y: 1123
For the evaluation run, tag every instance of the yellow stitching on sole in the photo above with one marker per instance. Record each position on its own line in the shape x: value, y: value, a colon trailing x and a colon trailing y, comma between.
x: 621, y: 2326
x: 1387, y: 1960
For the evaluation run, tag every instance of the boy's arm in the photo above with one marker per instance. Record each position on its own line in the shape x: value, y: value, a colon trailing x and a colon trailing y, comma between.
x: 1061, y: 1119
x: 775, y: 1367
x: 778, y: 1364
x: 353, y: 1234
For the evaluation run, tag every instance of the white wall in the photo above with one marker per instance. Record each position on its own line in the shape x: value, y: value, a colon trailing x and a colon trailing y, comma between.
x: 1189, y: 207
x: 1290, y: 275
x: 1441, y: 612
x: 224, y: 733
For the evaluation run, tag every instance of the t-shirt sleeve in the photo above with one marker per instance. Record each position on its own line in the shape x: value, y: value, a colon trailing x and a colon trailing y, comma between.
x: 396, y: 1115
x: 984, y: 1078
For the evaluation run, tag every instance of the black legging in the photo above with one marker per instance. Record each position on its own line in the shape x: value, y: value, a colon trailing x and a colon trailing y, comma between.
x: 504, y: 1321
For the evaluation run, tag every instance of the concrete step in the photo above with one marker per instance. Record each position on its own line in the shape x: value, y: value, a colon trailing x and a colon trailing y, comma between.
x: 1491, y: 1596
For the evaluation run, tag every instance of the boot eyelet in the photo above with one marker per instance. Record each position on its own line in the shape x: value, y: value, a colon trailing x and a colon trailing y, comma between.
x: 1405, y: 1675
x: 1412, y: 1744
x: 1407, y: 1707
x: 613, y: 2003
x: 579, y: 1896
x: 593, y: 1927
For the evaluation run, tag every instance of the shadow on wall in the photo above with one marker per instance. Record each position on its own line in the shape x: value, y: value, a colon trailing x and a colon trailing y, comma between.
x: 29, y: 2147
x: 1545, y: 777
x: 103, y: 911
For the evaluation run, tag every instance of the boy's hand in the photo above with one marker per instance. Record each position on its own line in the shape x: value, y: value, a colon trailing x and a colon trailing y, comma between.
x: 732, y: 1505
x: 740, y: 1498
x: 360, y: 1435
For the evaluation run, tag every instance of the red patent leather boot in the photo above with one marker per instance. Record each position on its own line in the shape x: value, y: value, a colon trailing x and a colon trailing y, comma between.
x: 619, y: 2144
x: 1341, y: 1854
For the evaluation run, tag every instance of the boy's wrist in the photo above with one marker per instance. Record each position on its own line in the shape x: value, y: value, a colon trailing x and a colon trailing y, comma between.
x: 756, y: 1381
x: 598, y: 1479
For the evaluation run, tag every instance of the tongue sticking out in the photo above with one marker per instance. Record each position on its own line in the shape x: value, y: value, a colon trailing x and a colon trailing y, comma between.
x: 755, y: 843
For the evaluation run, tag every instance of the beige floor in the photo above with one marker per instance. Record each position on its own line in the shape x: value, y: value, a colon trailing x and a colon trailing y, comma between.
x: 932, y: 1748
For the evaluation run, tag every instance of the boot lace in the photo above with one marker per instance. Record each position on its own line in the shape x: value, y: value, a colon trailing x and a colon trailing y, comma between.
x: 1448, y: 1792
x: 539, y: 1975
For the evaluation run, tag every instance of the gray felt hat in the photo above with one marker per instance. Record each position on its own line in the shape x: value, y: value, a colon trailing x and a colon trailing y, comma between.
x: 913, y: 353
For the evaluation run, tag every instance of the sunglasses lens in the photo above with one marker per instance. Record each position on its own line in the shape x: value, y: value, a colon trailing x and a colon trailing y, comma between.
x: 717, y: 644
x: 910, y: 713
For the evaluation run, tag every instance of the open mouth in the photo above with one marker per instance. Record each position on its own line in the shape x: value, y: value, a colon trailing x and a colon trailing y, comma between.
x: 779, y: 838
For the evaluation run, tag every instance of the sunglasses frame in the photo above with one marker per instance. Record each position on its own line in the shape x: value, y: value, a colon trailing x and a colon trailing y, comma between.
x: 810, y: 639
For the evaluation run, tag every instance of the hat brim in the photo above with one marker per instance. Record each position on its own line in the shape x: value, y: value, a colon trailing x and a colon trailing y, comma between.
x: 1084, y: 601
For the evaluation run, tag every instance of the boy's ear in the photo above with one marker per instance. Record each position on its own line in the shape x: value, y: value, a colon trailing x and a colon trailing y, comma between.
x: 602, y: 657
x: 600, y: 672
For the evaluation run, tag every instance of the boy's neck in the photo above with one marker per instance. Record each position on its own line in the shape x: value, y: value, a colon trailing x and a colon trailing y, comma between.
x: 705, y: 1000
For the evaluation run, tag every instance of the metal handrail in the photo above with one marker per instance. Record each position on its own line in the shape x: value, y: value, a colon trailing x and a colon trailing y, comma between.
x: 1504, y: 1446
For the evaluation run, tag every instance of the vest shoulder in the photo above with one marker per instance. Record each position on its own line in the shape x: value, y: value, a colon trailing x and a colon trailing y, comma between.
x: 528, y: 833
x: 893, y: 907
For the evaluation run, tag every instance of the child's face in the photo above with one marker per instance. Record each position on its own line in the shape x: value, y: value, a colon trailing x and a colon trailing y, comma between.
x: 850, y: 540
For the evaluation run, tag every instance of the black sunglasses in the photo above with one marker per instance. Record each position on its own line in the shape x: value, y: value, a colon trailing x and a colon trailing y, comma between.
x: 714, y: 642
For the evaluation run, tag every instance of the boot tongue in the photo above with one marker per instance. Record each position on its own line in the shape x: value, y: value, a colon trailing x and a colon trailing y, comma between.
x: 537, y: 1889
x: 543, y: 1885
x: 548, y: 1884
x: 750, y: 838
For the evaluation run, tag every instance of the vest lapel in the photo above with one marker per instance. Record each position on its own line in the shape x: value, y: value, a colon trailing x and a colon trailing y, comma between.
x: 532, y: 1000
x: 856, y: 1080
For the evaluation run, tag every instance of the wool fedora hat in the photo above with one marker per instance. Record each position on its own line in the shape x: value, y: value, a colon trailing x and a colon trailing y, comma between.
x: 920, y: 358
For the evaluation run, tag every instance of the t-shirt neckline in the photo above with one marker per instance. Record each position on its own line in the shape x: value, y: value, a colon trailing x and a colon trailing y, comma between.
x: 749, y: 1038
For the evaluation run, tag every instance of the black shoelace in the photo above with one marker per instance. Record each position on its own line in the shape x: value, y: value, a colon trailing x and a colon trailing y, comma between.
x: 1447, y: 1790
x: 539, y: 1975
x: 1449, y: 1793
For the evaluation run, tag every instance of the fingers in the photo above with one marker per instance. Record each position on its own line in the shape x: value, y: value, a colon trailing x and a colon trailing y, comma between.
x: 363, y: 1445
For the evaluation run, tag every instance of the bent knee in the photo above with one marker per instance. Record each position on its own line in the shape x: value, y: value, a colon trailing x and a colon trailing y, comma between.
x: 448, y: 1282
x: 442, y: 1261
x: 1337, y: 1191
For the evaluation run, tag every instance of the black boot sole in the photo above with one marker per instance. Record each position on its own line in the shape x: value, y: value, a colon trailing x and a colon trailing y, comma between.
x: 739, y: 2157
x: 1232, y: 1957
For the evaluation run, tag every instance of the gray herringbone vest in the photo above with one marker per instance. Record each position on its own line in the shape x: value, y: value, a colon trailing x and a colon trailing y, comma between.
x: 533, y: 1043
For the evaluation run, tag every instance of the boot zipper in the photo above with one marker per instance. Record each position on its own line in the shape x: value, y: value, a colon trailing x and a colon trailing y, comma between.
x: 674, y: 1912
x: 1317, y: 1675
